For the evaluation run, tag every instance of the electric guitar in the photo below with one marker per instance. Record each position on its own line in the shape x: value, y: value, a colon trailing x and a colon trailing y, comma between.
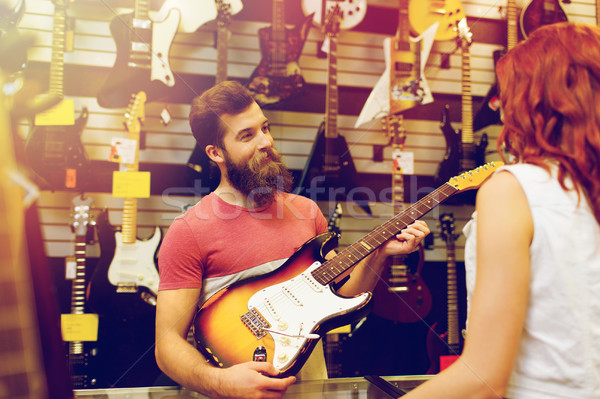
x: 444, y: 345
x: 81, y: 354
x: 424, y: 13
x: 351, y: 12
x: 142, y: 62
x: 125, y: 280
x: 401, y: 294
x: 278, y: 74
x: 540, y: 12
x: 461, y: 151
x: 200, y: 166
x: 287, y: 310
x: 329, y: 163
x: 55, y: 152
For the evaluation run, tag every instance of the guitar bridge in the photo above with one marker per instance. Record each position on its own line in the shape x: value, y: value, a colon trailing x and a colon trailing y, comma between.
x: 255, y: 322
x: 127, y: 288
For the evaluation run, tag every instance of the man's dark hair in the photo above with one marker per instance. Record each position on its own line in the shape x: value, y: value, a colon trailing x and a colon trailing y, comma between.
x: 228, y: 97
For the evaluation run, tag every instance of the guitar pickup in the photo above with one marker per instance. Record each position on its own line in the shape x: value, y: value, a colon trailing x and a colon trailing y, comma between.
x: 127, y: 288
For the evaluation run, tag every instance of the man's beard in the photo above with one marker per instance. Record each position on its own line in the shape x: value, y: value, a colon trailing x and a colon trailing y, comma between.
x: 257, y: 180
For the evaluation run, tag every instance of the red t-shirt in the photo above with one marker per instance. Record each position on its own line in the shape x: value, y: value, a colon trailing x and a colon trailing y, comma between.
x: 215, y: 243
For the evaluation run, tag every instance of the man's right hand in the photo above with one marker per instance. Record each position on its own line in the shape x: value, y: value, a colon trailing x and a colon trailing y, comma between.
x: 250, y: 380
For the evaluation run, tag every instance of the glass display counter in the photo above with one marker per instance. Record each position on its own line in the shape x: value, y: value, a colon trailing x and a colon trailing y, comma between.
x: 357, y: 387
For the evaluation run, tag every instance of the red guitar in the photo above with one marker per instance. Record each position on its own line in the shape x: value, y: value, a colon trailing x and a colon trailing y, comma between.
x: 445, y: 346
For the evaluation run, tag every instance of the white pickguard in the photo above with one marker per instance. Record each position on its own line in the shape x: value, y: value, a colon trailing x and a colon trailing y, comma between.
x: 295, y: 307
x: 195, y: 13
x: 134, y: 263
x: 163, y: 33
x: 378, y: 102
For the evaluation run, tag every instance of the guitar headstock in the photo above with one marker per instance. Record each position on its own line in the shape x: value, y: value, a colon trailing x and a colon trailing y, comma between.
x: 395, y: 129
x: 464, y: 34
x: 447, y: 227
x: 474, y: 178
x: 81, y: 214
x: 333, y: 19
x: 223, y: 13
x: 135, y: 115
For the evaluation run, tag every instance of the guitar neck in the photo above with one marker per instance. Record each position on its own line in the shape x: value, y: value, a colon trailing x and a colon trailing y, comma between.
x: 466, y: 98
x: 354, y: 253
x: 58, y: 49
x: 141, y: 11
x: 278, y: 63
x: 222, y: 37
x: 453, y: 333
x: 78, y: 287
x: 332, y: 91
x: 512, y: 26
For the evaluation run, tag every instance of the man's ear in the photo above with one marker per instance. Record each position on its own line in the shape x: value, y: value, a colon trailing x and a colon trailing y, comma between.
x: 214, y: 153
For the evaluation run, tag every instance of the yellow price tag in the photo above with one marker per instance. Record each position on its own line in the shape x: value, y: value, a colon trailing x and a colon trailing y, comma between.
x: 131, y: 184
x: 79, y: 327
x: 62, y: 114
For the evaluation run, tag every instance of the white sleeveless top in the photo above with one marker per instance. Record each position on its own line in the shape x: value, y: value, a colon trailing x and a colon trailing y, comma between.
x: 559, y: 354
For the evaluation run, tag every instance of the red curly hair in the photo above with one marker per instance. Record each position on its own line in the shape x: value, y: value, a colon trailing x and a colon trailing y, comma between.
x: 550, y: 94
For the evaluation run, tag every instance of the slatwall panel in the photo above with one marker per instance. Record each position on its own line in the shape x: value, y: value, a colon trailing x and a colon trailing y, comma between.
x: 360, y: 64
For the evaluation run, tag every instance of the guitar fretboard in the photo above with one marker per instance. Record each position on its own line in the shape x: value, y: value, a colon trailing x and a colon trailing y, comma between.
x: 466, y: 99
x: 453, y: 334
x: 332, y: 91
x: 512, y: 26
x: 58, y: 49
x: 354, y: 253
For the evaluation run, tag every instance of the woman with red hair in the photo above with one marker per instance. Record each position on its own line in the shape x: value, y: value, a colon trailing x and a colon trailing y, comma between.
x: 532, y: 254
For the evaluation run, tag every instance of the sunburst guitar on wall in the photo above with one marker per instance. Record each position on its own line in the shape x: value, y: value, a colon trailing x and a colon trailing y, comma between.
x: 125, y: 281
x: 286, y: 311
x: 278, y: 75
x: 142, y: 62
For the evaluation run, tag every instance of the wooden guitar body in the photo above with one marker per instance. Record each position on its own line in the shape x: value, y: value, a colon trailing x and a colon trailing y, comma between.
x: 142, y: 62
x: 229, y: 326
x: 541, y: 12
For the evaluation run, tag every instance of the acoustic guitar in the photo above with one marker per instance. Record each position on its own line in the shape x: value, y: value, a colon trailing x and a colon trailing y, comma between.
x: 278, y: 75
x: 444, y: 343
x: 55, y: 152
x: 287, y: 310
x: 330, y: 163
x: 142, y: 62
x: 401, y: 294
x: 125, y: 281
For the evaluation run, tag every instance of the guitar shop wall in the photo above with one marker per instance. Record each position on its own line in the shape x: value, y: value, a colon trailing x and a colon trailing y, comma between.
x: 98, y: 81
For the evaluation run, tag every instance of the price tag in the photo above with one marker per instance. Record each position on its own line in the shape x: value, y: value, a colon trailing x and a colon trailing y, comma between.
x: 79, y: 327
x: 131, y: 184
x: 123, y: 150
x: 404, y: 162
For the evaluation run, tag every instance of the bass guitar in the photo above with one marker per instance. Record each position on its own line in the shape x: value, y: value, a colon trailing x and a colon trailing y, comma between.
x: 330, y: 164
x: 201, y: 169
x: 81, y: 354
x: 540, y: 12
x: 125, y: 281
x: 278, y: 74
x: 444, y: 345
x: 461, y: 151
x: 286, y: 311
x: 401, y: 294
x: 142, y: 62
x: 53, y: 149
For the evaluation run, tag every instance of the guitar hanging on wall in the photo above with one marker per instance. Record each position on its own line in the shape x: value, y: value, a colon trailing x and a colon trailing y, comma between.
x: 81, y: 354
x: 53, y: 148
x: 201, y: 168
x: 286, y: 311
x: 352, y: 12
x: 401, y: 294
x: 125, y: 281
x: 461, y: 151
x: 278, y: 76
x: 424, y: 13
x: 142, y: 62
x: 540, y: 12
x: 444, y: 345
x: 329, y: 163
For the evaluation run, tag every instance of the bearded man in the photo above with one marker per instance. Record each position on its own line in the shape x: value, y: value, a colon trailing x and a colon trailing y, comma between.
x: 250, y: 225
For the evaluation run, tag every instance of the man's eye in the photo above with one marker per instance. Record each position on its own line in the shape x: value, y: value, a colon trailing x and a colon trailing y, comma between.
x: 266, y: 128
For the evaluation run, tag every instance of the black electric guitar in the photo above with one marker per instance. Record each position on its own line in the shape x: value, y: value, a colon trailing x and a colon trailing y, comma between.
x: 278, y: 74
x: 287, y: 310
x: 444, y: 345
x: 401, y: 294
x: 142, y: 62
x: 81, y: 354
x: 330, y: 163
x: 462, y: 153
x: 55, y: 152
x: 125, y: 280
x: 202, y: 172
x: 540, y: 12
